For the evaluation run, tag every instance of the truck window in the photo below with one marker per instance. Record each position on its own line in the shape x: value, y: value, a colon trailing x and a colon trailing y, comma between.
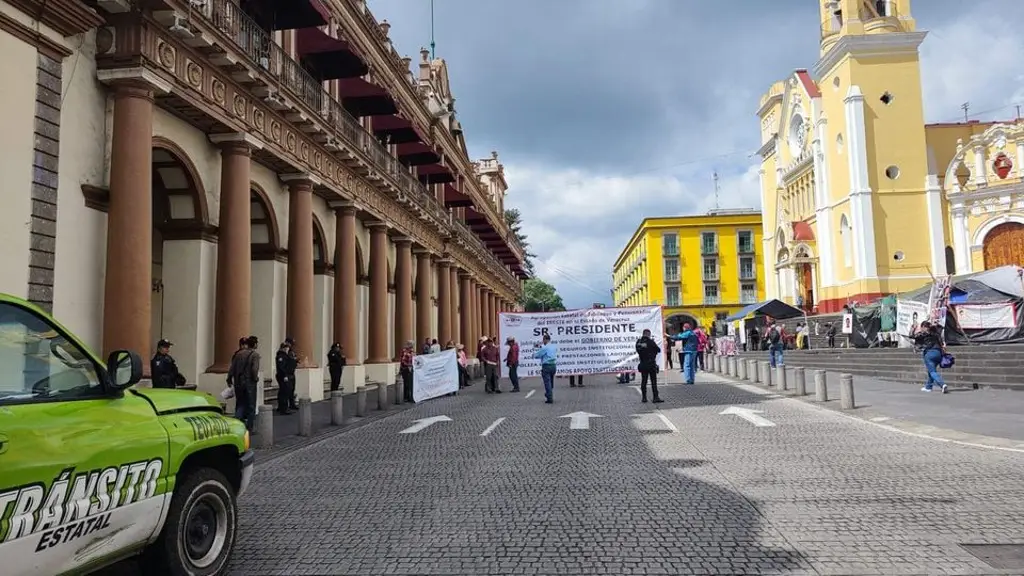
x: 38, y: 364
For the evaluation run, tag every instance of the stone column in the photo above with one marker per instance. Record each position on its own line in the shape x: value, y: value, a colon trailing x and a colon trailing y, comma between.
x: 481, y: 310
x: 453, y: 278
x: 234, y: 250
x: 378, y: 309
x: 466, y: 315
x: 129, y: 271
x: 403, y: 294
x: 300, y: 267
x: 346, y: 300
x: 488, y: 311
x: 423, y: 289
x: 444, y: 302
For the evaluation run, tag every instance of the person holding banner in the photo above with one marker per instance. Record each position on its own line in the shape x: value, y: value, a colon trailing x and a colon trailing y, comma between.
x: 512, y: 361
x: 547, y: 353
x: 648, y: 352
x: 490, y: 355
x: 405, y: 370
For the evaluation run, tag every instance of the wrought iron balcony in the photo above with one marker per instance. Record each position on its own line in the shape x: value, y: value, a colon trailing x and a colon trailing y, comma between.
x: 258, y: 46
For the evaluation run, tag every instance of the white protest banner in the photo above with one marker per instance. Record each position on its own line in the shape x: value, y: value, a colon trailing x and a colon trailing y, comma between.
x: 986, y: 316
x: 909, y: 315
x: 589, y: 341
x: 847, y: 323
x: 434, y: 375
x: 938, y: 300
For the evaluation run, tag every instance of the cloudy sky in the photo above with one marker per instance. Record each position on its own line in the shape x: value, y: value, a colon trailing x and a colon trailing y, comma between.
x: 608, y: 111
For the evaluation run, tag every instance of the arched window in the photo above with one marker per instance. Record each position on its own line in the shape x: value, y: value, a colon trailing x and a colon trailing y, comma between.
x: 847, y: 236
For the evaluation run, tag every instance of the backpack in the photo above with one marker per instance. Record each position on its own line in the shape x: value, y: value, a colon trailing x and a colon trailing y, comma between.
x: 774, y: 335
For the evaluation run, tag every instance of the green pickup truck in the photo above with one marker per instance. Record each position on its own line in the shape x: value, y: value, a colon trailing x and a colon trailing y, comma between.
x: 94, y: 470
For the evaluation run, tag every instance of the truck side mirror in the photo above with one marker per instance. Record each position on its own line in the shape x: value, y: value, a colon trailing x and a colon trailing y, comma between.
x: 124, y: 369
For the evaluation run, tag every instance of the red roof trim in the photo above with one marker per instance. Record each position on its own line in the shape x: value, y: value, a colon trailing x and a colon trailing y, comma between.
x: 809, y: 85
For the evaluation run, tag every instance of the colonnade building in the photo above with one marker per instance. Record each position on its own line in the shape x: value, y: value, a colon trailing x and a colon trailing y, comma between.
x: 200, y: 170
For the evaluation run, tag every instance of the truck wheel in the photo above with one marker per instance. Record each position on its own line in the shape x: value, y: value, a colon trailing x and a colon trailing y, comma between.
x: 199, y: 533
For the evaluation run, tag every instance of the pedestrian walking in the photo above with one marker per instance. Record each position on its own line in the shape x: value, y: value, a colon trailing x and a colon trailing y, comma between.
x: 336, y: 365
x: 163, y: 369
x: 547, y: 353
x: 775, y: 336
x: 405, y: 369
x: 928, y: 339
x: 512, y: 361
x: 648, y: 352
x: 830, y: 333
x: 490, y: 355
x: 286, y: 362
x: 244, y: 380
x: 668, y: 352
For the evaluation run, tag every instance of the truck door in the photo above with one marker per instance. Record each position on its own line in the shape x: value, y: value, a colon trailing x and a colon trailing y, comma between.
x: 83, y: 471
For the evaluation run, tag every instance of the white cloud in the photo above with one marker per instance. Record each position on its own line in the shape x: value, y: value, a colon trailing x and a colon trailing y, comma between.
x: 975, y: 58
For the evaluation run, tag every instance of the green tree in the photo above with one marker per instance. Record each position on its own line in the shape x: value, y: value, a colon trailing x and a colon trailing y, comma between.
x: 514, y: 220
x: 539, y: 296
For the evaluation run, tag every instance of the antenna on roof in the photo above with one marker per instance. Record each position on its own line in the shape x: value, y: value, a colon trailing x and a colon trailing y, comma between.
x: 715, y: 178
x: 432, y: 45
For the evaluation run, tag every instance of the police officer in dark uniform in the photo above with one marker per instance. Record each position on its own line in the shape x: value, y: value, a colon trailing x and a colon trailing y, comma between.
x: 287, y: 362
x: 335, y: 365
x: 163, y: 369
x: 647, y: 349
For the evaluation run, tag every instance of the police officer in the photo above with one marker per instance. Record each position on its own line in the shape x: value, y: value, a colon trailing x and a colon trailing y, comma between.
x: 287, y: 362
x: 648, y: 351
x: 335, y: 365
x: 163, y: 369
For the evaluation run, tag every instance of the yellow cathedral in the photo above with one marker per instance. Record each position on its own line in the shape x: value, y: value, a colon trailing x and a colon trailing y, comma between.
x: 860, y: 197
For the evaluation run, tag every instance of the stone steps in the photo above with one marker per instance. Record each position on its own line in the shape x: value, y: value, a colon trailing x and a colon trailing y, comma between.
x: 976, y: 367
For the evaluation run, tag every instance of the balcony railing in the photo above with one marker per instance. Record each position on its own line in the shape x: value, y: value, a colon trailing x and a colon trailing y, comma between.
x: 746, y: 248
x: 672, y: 277
x: 710, y: 276
x: 747, y: 274
x: 259, y: 47
x: 670, y: 250
x: 709, y: 248
x: 712, y: 300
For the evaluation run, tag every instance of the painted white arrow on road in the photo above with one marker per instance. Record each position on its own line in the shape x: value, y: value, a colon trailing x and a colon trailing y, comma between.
x: 421, y: 424
x: 748, y: 414
x: 580, y: 420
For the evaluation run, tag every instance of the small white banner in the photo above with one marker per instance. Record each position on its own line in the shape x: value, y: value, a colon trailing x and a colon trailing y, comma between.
x: 985, y: 316
x: 847, y: 323
x: 589, y: 341
x: 909, y: 315
x: 434, y: 375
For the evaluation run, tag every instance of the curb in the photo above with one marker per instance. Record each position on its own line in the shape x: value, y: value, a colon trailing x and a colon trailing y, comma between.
x: 907, y: 427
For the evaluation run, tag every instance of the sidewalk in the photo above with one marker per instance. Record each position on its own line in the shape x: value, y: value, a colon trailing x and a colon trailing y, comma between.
x: 998, y: 413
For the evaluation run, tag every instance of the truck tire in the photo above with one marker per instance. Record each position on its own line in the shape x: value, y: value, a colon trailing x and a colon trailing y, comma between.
x: 199, y: 534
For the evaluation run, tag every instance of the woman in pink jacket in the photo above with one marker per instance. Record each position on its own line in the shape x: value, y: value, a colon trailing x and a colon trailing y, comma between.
x: 702, y: 346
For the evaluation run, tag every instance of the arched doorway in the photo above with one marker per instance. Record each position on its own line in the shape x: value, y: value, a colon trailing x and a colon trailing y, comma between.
x: 179, y: 213
x: 263, y: 234
x: 1004, y: 245
x: 674, y: 323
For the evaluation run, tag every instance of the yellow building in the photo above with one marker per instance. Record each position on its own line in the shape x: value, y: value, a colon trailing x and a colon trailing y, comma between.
x: 699, y: 268
x: 860, y: 197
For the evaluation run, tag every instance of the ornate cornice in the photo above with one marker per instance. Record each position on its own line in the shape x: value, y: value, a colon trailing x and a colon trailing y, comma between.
x: 68, y: 17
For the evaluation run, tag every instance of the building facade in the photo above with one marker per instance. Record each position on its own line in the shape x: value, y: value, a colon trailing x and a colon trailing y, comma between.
x: 203, y: 170
x: 860, y: 197
x: 698, y: 268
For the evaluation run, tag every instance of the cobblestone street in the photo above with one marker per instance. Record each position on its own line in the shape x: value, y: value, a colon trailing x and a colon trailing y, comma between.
x: 509, y: 486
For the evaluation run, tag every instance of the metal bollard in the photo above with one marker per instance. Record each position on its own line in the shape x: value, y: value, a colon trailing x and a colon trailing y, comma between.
x: 393, y: 389
x: 714, y: 363
x: 741, y: 369
x: 305, y: 417
x: 391, y: 393
x: 361, y: 401
x: 264, y: 437
x: 752, y: 368
x: 766, y: 374
x: 730, y: 365
x: 337, y: 408
x: 820, y: 386
x: 780, y: 377
x: 846, y: 392
x: 800, y: 379
x: 382, y: 396
x: 400, y: 391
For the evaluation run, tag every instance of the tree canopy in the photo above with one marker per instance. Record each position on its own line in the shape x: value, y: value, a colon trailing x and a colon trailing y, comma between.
x: 539, y: 296
x: 514, y: 220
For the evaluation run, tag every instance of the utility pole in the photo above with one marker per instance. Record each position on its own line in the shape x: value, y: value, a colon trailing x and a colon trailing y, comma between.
x: 1018, y: 111
x: 966, y: 107
x: 715, y: 178
x: 433, y: 55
